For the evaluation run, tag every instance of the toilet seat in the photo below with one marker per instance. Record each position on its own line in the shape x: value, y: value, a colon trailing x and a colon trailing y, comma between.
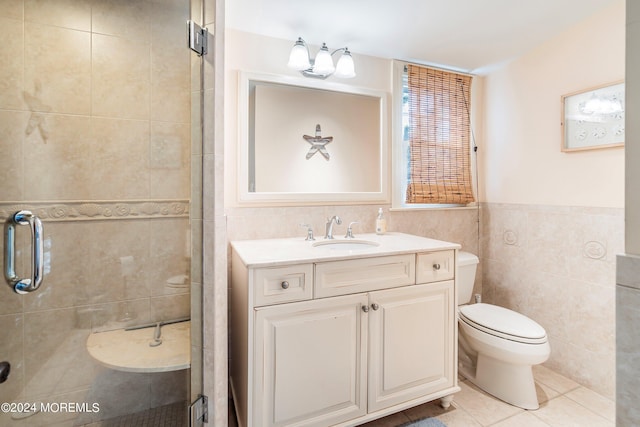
x: 503, y: 323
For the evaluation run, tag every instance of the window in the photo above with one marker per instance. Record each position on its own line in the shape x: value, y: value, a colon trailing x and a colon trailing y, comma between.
x: 436, y: 135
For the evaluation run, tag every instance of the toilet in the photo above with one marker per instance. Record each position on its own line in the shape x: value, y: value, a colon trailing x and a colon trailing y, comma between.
x: 497, y: 347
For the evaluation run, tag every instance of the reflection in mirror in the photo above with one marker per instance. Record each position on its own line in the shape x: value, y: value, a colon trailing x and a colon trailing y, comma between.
x: 312, y: 142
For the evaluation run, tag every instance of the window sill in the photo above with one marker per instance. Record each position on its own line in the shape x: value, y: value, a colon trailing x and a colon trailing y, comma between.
x: 471, y: 206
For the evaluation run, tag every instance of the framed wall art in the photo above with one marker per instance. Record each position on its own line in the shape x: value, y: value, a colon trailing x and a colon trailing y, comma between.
x: 593, y: 118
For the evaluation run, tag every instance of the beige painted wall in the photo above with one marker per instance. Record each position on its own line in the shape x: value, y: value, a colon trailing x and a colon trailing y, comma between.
x: 520, y: 158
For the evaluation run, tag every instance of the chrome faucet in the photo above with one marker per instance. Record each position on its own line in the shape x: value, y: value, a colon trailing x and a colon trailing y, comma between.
x: 329, y: 226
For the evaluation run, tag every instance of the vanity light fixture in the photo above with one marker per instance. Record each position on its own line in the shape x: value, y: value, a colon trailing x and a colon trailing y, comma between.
x: 322, y: 66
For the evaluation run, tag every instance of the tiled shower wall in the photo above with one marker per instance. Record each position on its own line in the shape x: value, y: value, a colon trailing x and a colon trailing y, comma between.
x: 557, y: 265
x: 95, y: 130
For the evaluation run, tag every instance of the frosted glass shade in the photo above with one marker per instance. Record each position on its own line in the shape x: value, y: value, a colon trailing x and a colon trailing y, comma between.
x: 299, y: 57
x: 323, y: 63
x: 345, y: 68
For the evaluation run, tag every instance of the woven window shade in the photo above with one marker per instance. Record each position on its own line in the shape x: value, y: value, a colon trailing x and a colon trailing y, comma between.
x: 440, y: 164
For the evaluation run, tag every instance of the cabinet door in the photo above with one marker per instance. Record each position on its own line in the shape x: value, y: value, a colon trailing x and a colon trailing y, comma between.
x: 310, y: 364
x: 411, y: 339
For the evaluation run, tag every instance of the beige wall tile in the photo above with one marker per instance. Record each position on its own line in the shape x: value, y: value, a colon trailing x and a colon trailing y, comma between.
x: 10, y: 302
x: 12, y: 132
x: 168, y: 18
x: 122, y: 18
x: 12, y: 339
x: 57, y: 69
x: 119, y: 261
x: 53, y: 340
x: 119, y: 314
x: 170, y: 65
x: 169, y: 160
x: 170, y: 255
x: 68, y: 269
x: 12, y: 9
x: 12, y: 54
x: 61, y: 157
x: 119, y: 159
x: 121, y: 77
x: 72, y: 14
x: 170, y: 307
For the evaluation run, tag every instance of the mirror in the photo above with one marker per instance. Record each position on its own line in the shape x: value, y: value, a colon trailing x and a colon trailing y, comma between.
x: 311, y: 141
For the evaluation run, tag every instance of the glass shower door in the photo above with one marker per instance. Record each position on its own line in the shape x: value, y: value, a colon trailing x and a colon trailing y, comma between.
x: 95, y: 142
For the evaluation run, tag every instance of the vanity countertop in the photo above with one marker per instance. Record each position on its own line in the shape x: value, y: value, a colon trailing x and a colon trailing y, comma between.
x: 274, y: 252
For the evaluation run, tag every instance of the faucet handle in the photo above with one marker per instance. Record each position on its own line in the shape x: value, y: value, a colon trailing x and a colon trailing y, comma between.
x: 349, y: 234
x: 309, y: 232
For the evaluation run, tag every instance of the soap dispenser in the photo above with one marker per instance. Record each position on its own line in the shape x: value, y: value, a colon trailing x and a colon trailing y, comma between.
x: 381, y: 223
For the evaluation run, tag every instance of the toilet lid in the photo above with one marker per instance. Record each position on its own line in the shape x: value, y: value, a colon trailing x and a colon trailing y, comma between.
x: 502, y: 322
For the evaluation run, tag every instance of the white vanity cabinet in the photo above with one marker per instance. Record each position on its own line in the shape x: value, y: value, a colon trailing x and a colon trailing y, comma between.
x: 328, y: 341
x: 411, y: 343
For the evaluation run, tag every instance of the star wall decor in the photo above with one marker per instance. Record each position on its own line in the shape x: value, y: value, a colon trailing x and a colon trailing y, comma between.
x: 318, y: 143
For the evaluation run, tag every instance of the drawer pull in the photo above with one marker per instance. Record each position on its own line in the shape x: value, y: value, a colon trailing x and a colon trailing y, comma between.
x: 375, y: 306
x: 365, y: 308
x: 436, y: 266
x: 285, y: 285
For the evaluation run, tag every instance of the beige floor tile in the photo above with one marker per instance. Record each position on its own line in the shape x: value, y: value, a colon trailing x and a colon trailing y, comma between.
x: 523, y: 419
x: 564, y: 412
x: 545, y: 393
x: 458, y: 417
x: 484, y: 408
x: 553, y: 380
x: 594, y: 402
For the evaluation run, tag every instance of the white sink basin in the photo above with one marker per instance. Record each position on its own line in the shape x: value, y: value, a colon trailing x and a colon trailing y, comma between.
x: 346, y: 245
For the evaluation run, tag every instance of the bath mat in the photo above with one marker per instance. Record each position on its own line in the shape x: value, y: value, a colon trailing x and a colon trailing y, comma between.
x: 426, y: 422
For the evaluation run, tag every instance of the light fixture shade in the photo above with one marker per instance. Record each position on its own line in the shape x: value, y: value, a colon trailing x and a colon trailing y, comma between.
x: 323, y: 63
x: 299, y: 57
x: 345, y: 68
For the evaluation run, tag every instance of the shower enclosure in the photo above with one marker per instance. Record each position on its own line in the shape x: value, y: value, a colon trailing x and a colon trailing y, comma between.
x: 100, y: 106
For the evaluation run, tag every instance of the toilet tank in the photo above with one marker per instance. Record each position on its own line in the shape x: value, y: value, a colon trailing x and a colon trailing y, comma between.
x: 467, y: 264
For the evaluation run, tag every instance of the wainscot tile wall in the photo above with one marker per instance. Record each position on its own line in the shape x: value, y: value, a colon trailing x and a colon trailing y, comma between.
x: 557, y: 265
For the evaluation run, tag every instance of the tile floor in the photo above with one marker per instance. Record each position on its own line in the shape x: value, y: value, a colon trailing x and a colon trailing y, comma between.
x: 563, y: 403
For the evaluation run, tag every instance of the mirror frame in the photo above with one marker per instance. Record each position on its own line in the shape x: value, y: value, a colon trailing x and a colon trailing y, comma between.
x: 245, y: 197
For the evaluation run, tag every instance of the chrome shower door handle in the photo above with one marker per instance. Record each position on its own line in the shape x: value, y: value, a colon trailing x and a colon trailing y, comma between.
x: 23, y: 286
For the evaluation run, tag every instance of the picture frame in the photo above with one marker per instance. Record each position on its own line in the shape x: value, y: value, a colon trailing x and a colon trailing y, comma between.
x: 593, y: 118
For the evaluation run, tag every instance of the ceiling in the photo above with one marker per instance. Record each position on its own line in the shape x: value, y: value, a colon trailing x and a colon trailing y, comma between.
x: 466, y: 35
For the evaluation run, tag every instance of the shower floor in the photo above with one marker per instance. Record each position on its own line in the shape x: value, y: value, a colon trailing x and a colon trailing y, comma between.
x: 173, y: 415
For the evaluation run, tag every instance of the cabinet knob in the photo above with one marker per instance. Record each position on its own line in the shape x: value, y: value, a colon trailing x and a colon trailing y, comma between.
x: 375, y: 306
x: 285, y: 285
x: 436, y: 266
x: 365, y: 308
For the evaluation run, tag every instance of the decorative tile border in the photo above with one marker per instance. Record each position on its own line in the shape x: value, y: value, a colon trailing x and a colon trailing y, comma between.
x: 99, y: 210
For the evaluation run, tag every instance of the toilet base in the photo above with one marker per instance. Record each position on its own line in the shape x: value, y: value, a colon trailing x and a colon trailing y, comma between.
x: 513, y: 384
